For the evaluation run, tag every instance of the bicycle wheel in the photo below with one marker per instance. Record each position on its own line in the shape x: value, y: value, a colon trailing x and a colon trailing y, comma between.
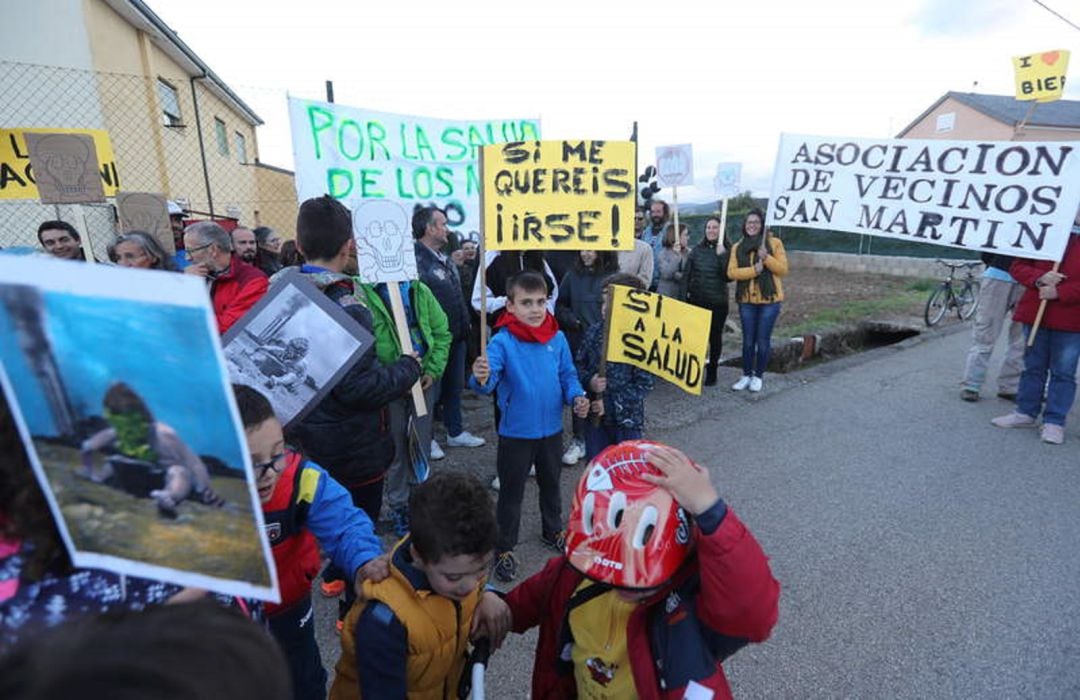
x: 937, y: 304
x: 967, y: 299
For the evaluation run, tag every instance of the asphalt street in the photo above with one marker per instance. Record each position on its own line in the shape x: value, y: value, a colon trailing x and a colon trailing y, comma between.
x: 921, y: 551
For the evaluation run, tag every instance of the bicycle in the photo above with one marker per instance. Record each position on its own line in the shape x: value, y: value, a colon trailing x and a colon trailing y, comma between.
x: 962, y: 295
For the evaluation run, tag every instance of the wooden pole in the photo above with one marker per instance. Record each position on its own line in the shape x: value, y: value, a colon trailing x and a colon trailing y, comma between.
x: 675, y: 206
x: 88, y: 244
x: 482, y: 256
x: 1039, y: 315
x: 723, y: 228
x: 397, y: 307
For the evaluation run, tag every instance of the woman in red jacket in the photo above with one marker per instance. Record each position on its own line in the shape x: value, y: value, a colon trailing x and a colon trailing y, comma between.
x: 1052, y: 359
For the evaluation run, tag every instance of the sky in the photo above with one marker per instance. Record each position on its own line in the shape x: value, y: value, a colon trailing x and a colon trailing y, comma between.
x: 728, y: 78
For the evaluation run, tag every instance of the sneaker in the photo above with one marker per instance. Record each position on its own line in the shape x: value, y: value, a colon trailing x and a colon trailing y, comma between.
x: 554, y: 540
x: 436, y: 451
x: 506, y: 567
x: 969, y: 395
x: 464, y: 439
x: 1007, y: 395
x: 400, y: 518
x: 332, y: 589
x: 574, y: 452
x: 742, y: 383
x: 755, y: 384
x: 1053, y: 434
x: 495, y: 484
x: 1014, y: 420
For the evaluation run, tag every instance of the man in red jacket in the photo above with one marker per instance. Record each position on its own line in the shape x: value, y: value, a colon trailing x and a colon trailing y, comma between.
x: 1056, y: 350
x: 235, y: 286
x: 660, y: 583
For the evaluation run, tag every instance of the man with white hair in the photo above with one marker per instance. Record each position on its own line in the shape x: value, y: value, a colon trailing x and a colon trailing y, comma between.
x: 235, y: 286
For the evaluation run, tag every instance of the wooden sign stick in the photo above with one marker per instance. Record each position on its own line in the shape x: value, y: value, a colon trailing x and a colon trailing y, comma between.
x: 481, y: 255
x: 88, y: 245
x: 1039, y: 315
x: 397, y: 306
x: 723, y: 227
x: 675, y: 206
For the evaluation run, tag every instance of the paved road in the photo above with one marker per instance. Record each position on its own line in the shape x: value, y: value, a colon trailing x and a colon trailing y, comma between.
x: 922, y: 552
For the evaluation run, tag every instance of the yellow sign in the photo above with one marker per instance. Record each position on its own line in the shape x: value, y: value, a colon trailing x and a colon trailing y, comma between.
x: 661, y: 335
x: 17, y: 177
x: 558, y: 195
x: 1041, y: 76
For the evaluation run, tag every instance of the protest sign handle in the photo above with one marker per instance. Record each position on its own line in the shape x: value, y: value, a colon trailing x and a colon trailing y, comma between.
x: 397, y: 306
x: 723, y: 227
x: 481, y: 254
x: 675, y: 206
x: 1039, y: 315
x: 90, y: 257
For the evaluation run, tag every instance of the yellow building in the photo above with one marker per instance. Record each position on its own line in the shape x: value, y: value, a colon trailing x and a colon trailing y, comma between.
x: 175, y: 126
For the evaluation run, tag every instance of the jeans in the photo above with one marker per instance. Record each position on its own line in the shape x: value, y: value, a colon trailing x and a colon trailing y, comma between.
x: 401, y: 476
x: 448, y: 389
x: 600, y: 437
x: 757, y: 326
x: 1054, y: 353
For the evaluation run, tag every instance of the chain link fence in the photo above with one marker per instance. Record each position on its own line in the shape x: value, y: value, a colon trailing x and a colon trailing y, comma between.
x: 184, y: 138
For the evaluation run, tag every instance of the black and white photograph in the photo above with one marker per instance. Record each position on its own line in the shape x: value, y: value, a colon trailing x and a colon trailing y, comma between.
x: 293, y: 346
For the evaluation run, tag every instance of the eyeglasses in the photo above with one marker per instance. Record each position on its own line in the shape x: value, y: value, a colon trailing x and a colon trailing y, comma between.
x: 191, y: 251
x: 274, y: 463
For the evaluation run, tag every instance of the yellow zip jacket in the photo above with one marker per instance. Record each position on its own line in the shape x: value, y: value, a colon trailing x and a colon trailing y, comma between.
x: 776, y: 263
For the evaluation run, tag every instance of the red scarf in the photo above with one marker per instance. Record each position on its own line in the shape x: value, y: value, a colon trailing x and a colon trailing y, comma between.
x: 530, y: 334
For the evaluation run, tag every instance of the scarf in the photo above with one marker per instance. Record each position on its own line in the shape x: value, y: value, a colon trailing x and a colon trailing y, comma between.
x: 746, y: 255
x: 522, y: 331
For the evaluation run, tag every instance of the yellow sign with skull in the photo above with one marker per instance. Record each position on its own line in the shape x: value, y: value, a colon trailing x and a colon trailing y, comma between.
x: 17, y: 177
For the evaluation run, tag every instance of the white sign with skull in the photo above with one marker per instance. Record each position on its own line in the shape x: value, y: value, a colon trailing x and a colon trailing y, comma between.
x: 675, y: 165
x: 384, y: 243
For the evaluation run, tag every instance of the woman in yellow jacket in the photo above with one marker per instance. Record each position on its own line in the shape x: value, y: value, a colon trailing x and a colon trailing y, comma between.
x: 756, y: 264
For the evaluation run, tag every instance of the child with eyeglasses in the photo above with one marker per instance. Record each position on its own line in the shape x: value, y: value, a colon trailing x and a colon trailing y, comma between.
x: 304, y: 509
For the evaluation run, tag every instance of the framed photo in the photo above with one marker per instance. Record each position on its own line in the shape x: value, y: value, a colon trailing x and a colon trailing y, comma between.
x: 116, y: 381
x: 293, y: 346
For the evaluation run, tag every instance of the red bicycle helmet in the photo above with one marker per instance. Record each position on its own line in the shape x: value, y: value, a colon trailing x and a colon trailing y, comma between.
x: 624, y: 531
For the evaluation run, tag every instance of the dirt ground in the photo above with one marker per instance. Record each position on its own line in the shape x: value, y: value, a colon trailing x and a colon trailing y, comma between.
x: 810, y: 291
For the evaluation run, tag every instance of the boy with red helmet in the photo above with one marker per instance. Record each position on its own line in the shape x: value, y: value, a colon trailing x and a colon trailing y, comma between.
x: 660, y: 583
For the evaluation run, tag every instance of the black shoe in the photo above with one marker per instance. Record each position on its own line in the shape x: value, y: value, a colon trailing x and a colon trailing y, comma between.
x: 710, y: 376
x: 1007, y: 395
x: 554, y: 540
x: 506, y: 567
x: 969, y: 395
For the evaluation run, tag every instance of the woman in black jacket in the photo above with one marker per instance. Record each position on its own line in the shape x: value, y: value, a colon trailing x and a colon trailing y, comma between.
x: 707, y: 286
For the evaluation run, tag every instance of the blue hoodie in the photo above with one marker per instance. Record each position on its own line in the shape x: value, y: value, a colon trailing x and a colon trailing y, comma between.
x: 534, y: 381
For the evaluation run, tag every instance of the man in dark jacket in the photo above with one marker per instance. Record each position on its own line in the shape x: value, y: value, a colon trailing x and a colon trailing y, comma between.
x: 440, y: 274
x: 348, y: 432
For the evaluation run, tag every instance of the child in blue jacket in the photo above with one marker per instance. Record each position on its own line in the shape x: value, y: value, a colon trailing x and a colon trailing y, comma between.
x: 528, y: 365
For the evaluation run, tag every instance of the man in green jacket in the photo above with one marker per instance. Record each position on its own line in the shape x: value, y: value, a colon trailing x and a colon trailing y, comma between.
x: 430, y: 338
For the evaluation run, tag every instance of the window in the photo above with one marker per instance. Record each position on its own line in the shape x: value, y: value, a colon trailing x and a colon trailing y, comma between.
x: 945, y: 122
x: 170, y: 104
x: 241, y: 147
x: 222, y: 137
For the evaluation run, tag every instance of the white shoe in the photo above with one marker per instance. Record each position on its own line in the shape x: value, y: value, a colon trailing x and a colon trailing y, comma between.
x: 742, y: 383
x: 495, y: 484
x: 436, y: 451
x: 464, y: 439
x: 755, y: 384
x: 573, y: 453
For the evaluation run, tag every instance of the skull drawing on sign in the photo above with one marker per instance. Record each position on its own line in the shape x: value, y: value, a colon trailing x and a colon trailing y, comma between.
x: 384, y: 247
x: 141, y: 211
x: 65, y: 161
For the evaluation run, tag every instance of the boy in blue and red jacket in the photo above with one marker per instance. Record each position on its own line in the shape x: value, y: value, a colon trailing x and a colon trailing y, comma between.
x: 528, y: 364
x: 304, y: 509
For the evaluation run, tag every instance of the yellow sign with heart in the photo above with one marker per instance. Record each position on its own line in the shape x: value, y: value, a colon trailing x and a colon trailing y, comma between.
x: 1041, y: 76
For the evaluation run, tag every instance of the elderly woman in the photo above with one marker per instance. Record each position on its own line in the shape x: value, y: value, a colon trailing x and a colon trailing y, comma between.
x: 139, y: 249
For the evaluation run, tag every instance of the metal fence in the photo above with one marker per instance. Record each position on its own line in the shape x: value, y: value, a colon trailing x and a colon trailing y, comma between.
x: 205, y: 157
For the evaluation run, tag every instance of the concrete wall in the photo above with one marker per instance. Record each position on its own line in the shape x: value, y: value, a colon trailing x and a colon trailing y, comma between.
x: 875, y: 264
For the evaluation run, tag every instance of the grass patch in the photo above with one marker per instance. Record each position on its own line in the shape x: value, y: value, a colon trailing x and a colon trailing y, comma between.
x: 853, y: 312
